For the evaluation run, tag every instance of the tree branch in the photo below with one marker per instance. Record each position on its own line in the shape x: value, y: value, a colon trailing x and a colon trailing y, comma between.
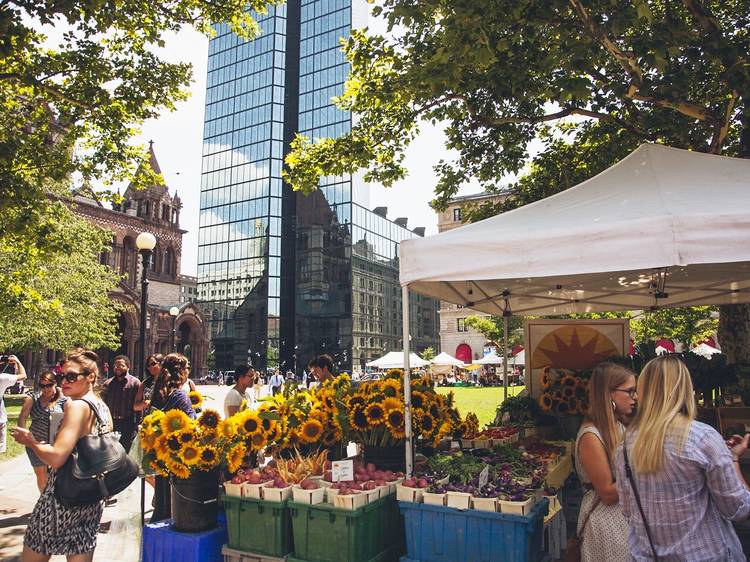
x: 720, y: 135
x: 54, y: 92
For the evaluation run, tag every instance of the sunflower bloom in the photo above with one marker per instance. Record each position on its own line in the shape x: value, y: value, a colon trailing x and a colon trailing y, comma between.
x: 235, y: 457
x: 310, y: 431
x: 428, y: 424
x: 249, y: 423
x: 196, y: 399
x: 418, y: 399
x: 208, y: 458
x: 356, y: 400
x: 375, y: 414
x: 209, y: 420
x: 178, y: 469
x: 545, y: 402
x: 392, y: 404
x: 358, y: 419
x: 174, y: 420
x: 330, y: 438
x: 257, y: 441
x: 190, y: 455
x: 394, y: 420
x: 391, y: 387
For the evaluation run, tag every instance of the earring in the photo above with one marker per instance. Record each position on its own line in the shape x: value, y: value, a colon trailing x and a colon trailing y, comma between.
x: 614, y: 406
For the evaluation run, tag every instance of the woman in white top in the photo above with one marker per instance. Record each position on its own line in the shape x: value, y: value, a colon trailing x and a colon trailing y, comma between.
x: 233, y: 400
x: 611, y: 403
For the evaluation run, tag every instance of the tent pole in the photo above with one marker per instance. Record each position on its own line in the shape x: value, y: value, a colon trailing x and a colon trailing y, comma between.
x: 407, y: 380
x: 505, y: 357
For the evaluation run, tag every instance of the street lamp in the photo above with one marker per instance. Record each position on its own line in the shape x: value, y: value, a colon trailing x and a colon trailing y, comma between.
x: 145, y: 244
x: 174, y: 312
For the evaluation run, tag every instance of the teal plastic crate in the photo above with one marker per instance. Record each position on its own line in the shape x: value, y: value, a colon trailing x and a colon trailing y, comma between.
x: 445, y: 534
x: 258, y: 526
x: 323, y: 533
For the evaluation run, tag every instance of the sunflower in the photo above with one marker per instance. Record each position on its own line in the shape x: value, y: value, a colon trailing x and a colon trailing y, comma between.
x: 174, y: 420
x: 257, y: 441
x: 148, y: 439
x: 545, y: 402
x: 392, y: 404
x: 173, y: 442
x: 235, y: 457
x: 568, y: 380
x: 208, y: 457
x: 159, y: 468
x: 186, y: 436
x: 178, y: 469
x: 574, y: 405
x: 328, y: 401
x: 428, y: 424
x: 395, y: 422
x: 196, y: 399
x: 391, y: 387
x: 545, y: 380
x: 190, y: 455
x: 160, y: 447
x: 310, y: 431
x: 562, y: 407
x: 568, y: 392
x: 418, y: 399
x: 581, y: 392
x: 249, y: 423
x: 274, y: 433
x: 358, y: 419
x: 357, y: 400
x: 330, y: 438
x: 209, y: 420
x: 375, y: 414
x: 434, y: 411
x: 227, y: 428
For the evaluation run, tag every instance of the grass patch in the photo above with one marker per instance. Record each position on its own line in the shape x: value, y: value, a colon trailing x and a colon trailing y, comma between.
x: 13, y: 448
x: 483, y: 401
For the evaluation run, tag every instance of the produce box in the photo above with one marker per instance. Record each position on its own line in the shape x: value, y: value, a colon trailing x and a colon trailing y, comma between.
x: 444, y: 534
x: 232, y: 555
x: 323, y: 533
x: 258, y: 526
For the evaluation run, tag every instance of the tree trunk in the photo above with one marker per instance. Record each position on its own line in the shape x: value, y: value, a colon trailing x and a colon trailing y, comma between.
x: 734, y: 319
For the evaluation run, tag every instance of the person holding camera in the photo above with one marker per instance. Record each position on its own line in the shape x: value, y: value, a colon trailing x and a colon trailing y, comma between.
x: 678, y: 481
x: 55, y: 528
x: 8, y: 379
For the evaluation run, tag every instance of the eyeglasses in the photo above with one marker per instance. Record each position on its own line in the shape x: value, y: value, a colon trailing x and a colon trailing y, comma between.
x: 152, y: 365
x: 70, y: 376
x: 629, y: 391
x: 50, y: 385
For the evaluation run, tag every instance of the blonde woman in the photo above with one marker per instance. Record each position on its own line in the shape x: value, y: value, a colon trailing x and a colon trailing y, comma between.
x: 687, y: 478
x: 601, y: 524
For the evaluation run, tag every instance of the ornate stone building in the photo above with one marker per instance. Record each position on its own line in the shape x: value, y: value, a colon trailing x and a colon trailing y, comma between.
x: 154, y: 210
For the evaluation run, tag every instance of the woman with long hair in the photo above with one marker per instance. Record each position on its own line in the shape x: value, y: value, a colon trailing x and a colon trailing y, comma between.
x: 143, y: 396
x: 685, y: 474
x: 601, y: 525
x: 39, y: 407
x: 54, y: 528
x: 169, y: 395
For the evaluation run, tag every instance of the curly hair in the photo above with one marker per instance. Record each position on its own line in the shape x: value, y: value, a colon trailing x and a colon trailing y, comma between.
x: 171, y: 377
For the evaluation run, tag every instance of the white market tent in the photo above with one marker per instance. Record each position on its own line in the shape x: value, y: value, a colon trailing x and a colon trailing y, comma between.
x: 519, y: 359
x: 490, y: 359
x: 663, y: 227
x: 395, y: 360
x: 704, y: 350
x: 444, y: 359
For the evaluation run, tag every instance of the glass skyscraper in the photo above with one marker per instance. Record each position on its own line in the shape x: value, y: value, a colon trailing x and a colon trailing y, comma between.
x: 283, y: 276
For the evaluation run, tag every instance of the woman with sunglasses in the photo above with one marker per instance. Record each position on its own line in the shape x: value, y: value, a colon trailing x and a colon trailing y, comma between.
x: 39, y: 407
x: 169, y: 395
x: 143, y: 396
x: 602, y: 528
x: 53, y: 528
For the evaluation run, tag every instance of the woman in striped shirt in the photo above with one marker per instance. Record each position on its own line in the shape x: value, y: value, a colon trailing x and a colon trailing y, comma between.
x: 39, y: 408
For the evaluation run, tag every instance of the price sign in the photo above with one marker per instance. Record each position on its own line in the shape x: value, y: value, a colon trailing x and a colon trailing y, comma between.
x: 484, y: 476
x: 455, y: 445
x: 342, y: 471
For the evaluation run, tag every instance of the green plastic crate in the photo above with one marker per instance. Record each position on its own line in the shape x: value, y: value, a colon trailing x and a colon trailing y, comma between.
x: 393, y: 554
x: 323, y: 533
x: 258, y: 526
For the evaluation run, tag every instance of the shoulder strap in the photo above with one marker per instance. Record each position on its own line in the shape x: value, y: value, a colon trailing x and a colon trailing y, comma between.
x: 99, y: 419
x: 629, y: 474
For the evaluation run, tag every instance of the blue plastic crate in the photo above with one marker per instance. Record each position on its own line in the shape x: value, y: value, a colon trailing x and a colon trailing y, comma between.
x: 445, y: 534
x: 161, y: 543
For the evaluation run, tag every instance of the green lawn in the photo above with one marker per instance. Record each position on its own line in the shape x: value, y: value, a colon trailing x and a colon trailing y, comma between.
x: 13, y: 448
x: 483, y: 401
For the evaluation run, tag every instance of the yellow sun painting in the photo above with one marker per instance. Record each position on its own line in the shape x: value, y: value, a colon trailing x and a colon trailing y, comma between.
x: 572, y: 347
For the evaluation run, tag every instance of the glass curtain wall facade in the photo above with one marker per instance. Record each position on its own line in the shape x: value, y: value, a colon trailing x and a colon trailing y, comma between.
x: 281, y: 274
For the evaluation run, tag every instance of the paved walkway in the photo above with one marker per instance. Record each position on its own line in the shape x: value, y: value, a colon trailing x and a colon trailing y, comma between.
x: 118, y: 541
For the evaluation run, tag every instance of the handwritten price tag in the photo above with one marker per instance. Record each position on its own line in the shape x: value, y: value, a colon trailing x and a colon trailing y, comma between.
x: 342, y: 471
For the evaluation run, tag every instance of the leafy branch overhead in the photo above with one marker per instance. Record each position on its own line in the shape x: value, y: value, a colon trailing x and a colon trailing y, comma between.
x: 596, y: 75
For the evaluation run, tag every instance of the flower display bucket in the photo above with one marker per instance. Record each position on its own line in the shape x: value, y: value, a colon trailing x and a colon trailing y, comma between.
x: 195, y: 501
x: 386, y: 458
x: 569, y: 425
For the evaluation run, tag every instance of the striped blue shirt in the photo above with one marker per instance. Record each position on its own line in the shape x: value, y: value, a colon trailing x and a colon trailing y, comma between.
x: 690, y: 504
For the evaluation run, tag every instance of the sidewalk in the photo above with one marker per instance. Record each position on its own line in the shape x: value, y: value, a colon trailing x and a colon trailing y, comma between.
x: 121, y: 542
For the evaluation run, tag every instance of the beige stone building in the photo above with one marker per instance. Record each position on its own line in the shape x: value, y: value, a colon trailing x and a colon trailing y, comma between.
x: 456, y: 338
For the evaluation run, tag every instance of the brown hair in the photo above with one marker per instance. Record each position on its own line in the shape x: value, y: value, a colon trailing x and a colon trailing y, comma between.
x: 604, y: 379
x: 50, y: 376
x: 156, y: 357
x: 89, y: 362
x: 171, y: 378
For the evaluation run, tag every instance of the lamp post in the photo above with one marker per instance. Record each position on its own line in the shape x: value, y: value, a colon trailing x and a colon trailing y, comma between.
x: 145, y: 244
x: 174, y: 312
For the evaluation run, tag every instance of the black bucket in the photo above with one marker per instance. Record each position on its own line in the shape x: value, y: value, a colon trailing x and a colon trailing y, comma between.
x: 195, y: 501
x: 386, y: 458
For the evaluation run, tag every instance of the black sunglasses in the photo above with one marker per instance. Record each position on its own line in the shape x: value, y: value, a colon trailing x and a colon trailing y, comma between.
x: 70, y: 376
x: 50, y: 385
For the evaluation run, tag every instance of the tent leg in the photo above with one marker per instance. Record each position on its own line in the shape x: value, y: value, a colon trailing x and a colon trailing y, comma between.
x: 505, y: 358
x: 407, y: 381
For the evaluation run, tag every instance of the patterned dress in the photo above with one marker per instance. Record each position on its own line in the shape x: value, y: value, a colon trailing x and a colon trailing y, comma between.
x: 606, y: 533
x: 40, y: 422
x: 57, y: 529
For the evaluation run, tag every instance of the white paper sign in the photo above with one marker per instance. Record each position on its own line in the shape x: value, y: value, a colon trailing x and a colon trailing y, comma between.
x: 484, y: 476
x: 342, y: 471
x: 455, y: 445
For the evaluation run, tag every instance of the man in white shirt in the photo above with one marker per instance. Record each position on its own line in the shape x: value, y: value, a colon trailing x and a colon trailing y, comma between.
x: 233, y: 400
x: 277, y: 381
x: 8, y: 379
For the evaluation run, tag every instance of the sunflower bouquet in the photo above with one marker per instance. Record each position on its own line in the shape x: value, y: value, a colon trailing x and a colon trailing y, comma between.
x: 174, y: 444
x: 564, y: 391
x: 376, y: 411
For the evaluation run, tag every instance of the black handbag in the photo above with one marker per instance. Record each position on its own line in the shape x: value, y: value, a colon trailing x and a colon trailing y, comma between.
x: 97, y: 468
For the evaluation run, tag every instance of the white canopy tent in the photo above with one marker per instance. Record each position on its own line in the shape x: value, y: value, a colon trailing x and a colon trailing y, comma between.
x: 490, y: 359
x: 395, y: 360
x: 704, y: 350
x: 519, y: 358
x: 444, y: 359
x: 663, y: 227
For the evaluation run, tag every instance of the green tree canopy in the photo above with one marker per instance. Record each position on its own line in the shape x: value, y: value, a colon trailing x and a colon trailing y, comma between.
x: 428, y: 354
x: 592, y: 79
